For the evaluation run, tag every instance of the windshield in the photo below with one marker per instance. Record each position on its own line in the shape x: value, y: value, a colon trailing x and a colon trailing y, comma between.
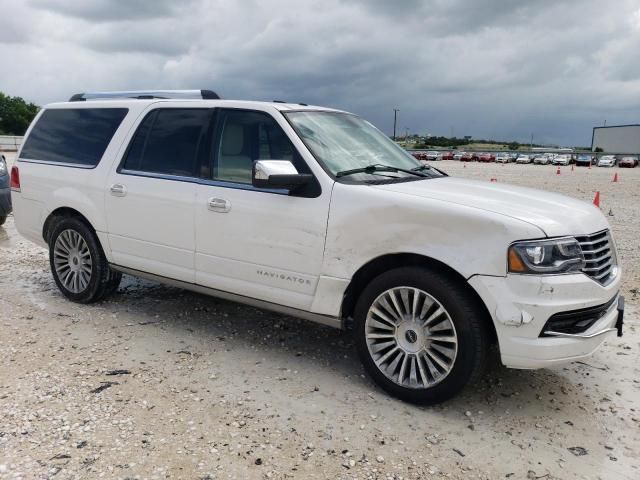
x: 343, y: 142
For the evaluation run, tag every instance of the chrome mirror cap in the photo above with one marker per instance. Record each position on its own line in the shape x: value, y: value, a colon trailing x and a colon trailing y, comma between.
x: 278, y: 175
x: 264, y: 169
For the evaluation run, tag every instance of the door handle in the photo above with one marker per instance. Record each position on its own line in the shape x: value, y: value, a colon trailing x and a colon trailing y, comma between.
x: 118, y: 190
x: 219, y: 205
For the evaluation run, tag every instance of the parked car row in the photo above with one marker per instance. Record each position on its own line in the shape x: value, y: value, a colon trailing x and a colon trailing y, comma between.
x: 580, y: 160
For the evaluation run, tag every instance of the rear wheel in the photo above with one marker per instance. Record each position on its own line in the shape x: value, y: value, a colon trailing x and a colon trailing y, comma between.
x: 78, y: 264
x: 420, y: 335
x: 2, y: 219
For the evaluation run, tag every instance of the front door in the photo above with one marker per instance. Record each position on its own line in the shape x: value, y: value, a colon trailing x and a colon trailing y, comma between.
x: 150, y: 198
x: 265, y: 244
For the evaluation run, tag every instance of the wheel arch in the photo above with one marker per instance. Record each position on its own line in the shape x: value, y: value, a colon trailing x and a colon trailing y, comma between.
x: 384, y: 263
x: 60, y: 213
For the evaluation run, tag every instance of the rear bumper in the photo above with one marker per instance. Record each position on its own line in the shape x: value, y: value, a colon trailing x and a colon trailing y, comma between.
x: 5, y: 201
x: 521, y: 306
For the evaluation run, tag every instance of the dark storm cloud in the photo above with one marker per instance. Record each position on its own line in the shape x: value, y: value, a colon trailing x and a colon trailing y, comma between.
x: 489, y: 68
x: 459, y: 17
x: 103, y: 10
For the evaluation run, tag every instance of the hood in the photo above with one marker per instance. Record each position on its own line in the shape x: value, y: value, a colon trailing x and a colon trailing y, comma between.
x: 555, y: 214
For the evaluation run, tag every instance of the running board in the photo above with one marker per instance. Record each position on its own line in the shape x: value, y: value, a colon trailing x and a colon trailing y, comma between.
x: 274, y: 307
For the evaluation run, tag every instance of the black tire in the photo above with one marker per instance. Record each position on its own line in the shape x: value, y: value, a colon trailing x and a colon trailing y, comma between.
x: 103, y: 281
x: 113, y: 283
x: 2, y: 219
x: 463, y: 311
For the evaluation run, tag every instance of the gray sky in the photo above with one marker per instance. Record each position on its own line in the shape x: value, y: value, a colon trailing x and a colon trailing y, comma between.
x: 489, y: 68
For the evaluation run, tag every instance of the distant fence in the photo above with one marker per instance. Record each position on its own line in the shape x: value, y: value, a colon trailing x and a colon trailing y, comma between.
x: 10, y: 143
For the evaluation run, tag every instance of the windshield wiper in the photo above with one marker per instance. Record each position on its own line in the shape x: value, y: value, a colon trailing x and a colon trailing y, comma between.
x: 424, y: 166
x: 429, y: 167
x: 379, y: 168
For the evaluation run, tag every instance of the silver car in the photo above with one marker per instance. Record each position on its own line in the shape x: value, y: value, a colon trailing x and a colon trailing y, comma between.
x: 544, y: 159
x: 562, y: 160
x: 607, y: 161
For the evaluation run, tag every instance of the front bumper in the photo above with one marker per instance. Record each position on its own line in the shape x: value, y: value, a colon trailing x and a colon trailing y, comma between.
x: 5, y: 201
x: 521, y: 305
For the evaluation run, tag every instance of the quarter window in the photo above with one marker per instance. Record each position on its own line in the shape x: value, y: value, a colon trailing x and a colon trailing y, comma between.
x: 169, y: 141
x: 245, y: 136
x: 77, y: 136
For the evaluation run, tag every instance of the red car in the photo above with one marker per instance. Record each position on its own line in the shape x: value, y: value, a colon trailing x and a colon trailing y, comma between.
x: 447, y: 155
x: 628, y: 162
x: 419, y: 155
x: 486, y: 157
x: 468, y: 157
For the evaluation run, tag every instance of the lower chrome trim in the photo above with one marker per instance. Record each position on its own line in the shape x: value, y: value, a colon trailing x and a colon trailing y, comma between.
x: 551, y: 333
x: 274, y: 307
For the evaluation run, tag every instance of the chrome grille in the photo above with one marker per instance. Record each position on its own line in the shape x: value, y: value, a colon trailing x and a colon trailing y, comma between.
x: 599, y: 255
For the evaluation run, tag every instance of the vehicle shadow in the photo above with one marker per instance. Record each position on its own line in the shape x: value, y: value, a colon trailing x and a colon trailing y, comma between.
x: 307, y: 345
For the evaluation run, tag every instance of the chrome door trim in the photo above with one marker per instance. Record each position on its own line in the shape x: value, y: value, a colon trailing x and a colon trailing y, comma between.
x: 203, y: 181
x: 329, y: 321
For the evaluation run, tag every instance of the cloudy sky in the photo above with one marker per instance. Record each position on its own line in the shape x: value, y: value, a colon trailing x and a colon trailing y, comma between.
x: 489, y: 68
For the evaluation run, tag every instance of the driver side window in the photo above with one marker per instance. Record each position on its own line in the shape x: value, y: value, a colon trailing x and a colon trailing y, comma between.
x: 243, y: 136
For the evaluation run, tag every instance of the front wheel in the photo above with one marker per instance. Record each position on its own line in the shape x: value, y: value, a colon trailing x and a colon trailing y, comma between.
x: 421, y: 335
x: 2, y: 219
x: 78, y: 264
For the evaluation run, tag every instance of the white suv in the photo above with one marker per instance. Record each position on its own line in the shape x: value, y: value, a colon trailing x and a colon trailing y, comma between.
x: 315, y: 213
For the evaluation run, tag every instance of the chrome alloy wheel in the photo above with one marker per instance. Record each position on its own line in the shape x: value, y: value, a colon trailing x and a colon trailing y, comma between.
x: 72, y: 261
x: 411, y: 337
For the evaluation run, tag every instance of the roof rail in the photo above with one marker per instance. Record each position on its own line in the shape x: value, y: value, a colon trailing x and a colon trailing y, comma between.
x: 147, y: 94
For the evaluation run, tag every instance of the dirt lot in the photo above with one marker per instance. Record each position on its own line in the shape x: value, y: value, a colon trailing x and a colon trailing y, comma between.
x: 161, y: 383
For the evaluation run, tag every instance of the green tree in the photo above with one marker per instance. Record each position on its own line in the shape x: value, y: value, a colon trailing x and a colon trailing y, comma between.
x: 514, y: 146
x: 598, y: 149
x: 15, y: 115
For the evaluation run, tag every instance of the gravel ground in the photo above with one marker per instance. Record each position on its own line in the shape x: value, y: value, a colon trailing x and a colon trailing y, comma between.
x: 159, y: 383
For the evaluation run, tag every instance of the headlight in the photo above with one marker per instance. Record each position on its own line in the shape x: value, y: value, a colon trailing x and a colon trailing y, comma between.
x: 3, y: 167
x: 561, y: 255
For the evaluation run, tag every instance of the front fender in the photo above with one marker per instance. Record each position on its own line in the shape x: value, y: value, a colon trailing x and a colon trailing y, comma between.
x: 366, y: 223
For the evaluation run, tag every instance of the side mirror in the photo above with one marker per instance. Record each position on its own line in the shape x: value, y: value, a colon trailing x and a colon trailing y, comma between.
x: 278, y: 174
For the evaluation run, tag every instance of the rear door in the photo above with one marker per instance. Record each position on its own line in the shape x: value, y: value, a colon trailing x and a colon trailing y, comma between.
x: 266, y: 244
x: 150, y: 196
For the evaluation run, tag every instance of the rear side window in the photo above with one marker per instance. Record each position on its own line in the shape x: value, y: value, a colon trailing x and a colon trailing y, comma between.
x: 169, y: 141
x: 75, y: 135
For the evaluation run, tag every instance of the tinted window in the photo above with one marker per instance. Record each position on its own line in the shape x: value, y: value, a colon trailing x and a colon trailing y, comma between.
x: 245, y: 136
x: 75, y: 135
x: 169, y: 141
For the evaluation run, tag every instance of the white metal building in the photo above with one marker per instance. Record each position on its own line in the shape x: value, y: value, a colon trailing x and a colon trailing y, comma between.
x: 617, y: 139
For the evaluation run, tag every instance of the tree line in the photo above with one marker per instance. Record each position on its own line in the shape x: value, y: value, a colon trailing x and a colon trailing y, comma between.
x: 15, y: 115
x: 454, y: 142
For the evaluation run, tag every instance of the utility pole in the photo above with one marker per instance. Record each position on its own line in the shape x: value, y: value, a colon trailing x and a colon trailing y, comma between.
x: 395, y: 121
x: 532, y: 142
